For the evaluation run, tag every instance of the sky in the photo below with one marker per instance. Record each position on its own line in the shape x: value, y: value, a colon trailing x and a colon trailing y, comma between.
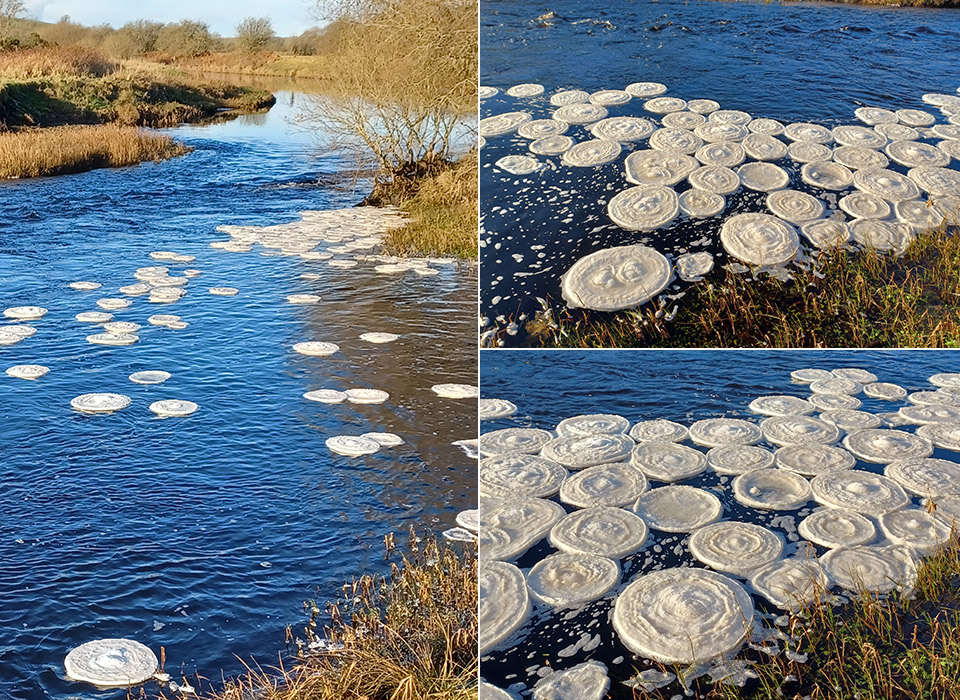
x: 290, y: 17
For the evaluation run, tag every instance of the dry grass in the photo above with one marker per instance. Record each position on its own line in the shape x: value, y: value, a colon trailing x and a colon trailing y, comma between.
x: 266, y: 63
x: 71, y: 149
x: 54, y: 61
x: 409, y: 636
x: 444, y: 212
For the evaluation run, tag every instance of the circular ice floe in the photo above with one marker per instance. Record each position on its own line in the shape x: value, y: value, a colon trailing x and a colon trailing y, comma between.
x: 586, y: 681
x: 603, y: 485
x: 485, y: 92
x: 593, y: 424
x: 678, y: 508
x: 659, y: 430
x: 811, y: 459
x: 861, y: 205
x: 646, y: 89
x: 664, y: 105
x: 897, y: 132
x: 113, y: 304
x: 366, y: 396
x: 100, y: 403
x: 610, y: 98
x: 951, y: 148
x: 173, y: 408
x: 763, y: 177
x: 927, y: 477
x: 27, y: 371
x: 883, y: 446
x: 945, y: 435
x: 616, y: 278
x: 85, y: 286
x: 764, y: 147
x: 394, y: 440
x: 718, y: 179
x: 538, y: 128
x: 458, y: 534
x: 653, y: 167
x: 916, y: 529
x: 789, y: 583
x: 738, y: 459
x: 491, y: 409
x: 93, y: 317
x: 940, y: 397
x: 679, y: 140
x: 735, y: 547
x: 121, y: 327
x: 703, y: 106
x: 352, y: 445
x: 886, y: 184
x: 859, y: 136
x: 946, y: 380
x: 379, y: 337
x: 668, y: 461
x: 683, y: 615
x: 525, y: 90
x: 718, y: 432
x: 796, y: 430
x: 508, y: 528
x: 579, y: 451
x: 727, y: 154
x: 580, y: 113
x: 591, y: 154
x: 456, y: 391
x: 759, y: 239
x: 502, y: 124
x: 915, y: 117
x: 691, y: 267
x: 781, y: 406
x: 510, y: 440
x: 467, y: 519
x: 316, y: 348
x: 224, y: 291
x: 859, y: 158
x: 854, y: 374
x: 870, y: 568
x: 809, y: 133
x: 936, y: 181
x: 771, y: 489
x: 919, y: 214
x: 570, y: 579
x: 837, y: 527
x: 603, y: 530
x: 112, y: 339
x: 569, y: 97
x: 150, y: 377
x: 859, y: 491
x: 303, y: 298
x: 623, y: 129
x: 914, y: 154
x: 875, y: 115
x: 111, y: 663
x: 551, y: 145
x: 504, y: 603
x: 835, y: 385
x: 518, y: 165
x: 809, y: 152
x: 827, y: 175
x: 849, y: 420
x: 700, y: 204
x: 835, y: 402
x: 683, y: 120
x: 885, y: 391
x: 326, y: 396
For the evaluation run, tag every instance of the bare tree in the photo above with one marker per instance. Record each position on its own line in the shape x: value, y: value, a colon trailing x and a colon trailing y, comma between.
x: 10, y: 10
x: 255, y: 33
x: 402, y: 83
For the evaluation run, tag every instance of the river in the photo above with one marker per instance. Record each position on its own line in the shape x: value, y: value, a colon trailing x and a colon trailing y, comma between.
x: 203, y: 535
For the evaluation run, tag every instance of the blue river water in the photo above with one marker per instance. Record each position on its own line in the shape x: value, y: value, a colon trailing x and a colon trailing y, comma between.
x: 791, y: 61
x: 679, y: 385
x: 203, y: 535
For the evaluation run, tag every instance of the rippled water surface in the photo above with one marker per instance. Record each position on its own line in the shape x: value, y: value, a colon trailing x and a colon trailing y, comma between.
x: 203, y: 535
x: 683, y: 386
x: 787, y: 61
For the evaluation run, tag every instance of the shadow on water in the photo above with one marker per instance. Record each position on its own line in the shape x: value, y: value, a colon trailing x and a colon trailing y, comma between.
x: 203, y: 535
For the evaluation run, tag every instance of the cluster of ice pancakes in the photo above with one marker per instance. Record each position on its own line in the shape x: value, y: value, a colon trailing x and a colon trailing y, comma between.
x: 805, y: 494
x: 874, y: 184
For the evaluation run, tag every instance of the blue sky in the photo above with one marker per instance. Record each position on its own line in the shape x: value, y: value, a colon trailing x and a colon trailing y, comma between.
x: 289, y: 17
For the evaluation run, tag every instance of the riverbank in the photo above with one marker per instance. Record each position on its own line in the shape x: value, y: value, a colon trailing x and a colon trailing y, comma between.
x: 411, y: 635
x: 846, y: 299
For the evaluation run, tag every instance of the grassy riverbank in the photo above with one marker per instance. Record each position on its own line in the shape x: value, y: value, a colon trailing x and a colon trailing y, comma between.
x: 71, y: 149
x: 898, y: 648
x: 444, y: 212
x: 409, y: 636
x: 847, y: 299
